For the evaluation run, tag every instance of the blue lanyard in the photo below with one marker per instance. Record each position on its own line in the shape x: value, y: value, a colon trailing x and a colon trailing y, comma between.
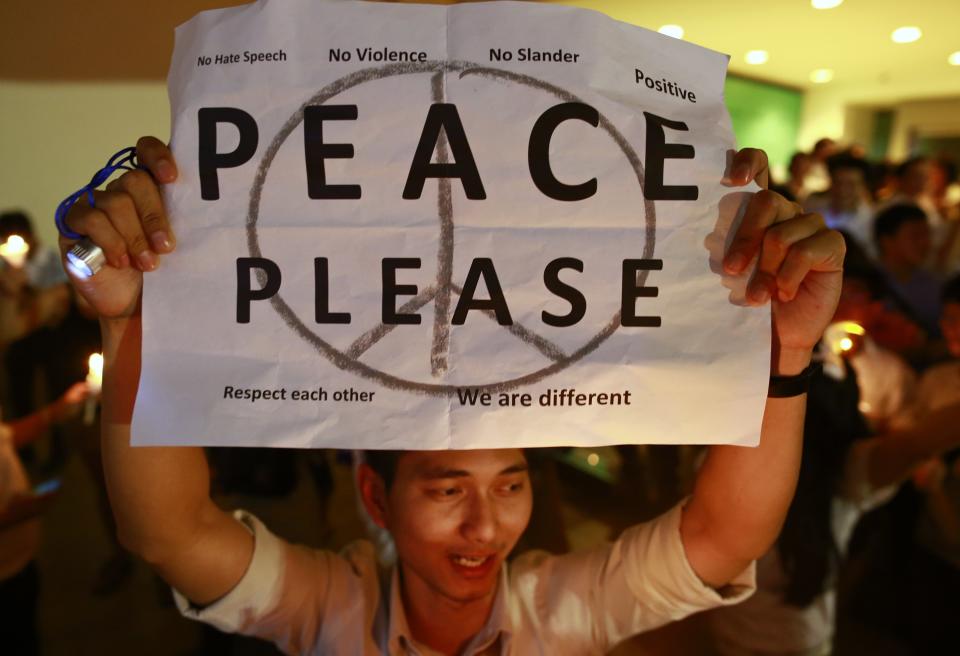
x: 125, y: 159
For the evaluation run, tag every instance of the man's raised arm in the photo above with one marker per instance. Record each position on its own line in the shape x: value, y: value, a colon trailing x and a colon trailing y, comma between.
x: 742, y: 495
x: 160, y: 496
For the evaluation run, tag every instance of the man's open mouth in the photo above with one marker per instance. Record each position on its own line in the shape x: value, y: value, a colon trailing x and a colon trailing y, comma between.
x: 470, y: 561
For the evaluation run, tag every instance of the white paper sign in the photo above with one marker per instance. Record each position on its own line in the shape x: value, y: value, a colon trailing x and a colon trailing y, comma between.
x: 481, y: 225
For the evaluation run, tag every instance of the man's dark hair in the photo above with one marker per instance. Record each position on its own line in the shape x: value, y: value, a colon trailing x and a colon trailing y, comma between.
x: 858, y: 265
x: 821, y: 143
x: 847, y: 161
x: 951, y: 291
x: 889, y: 221
x: 15, y: 223
x: 384, y: 463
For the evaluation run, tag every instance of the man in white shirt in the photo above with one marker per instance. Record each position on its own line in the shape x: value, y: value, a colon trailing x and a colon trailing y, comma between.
x: 455, y: 516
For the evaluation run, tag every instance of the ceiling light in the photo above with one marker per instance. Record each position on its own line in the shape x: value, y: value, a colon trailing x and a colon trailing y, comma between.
x: 907, y: 34
x: 954, y: 59
x: 757, y: 57
x: 825, y: 4
x: 672, y: 30
x: 821, y: 76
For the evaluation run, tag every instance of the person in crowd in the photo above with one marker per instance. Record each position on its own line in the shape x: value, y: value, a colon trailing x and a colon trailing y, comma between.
x: 945, y: 188
x: 886, y: 382
x: 935, y: 564
x: 34, y: 296
x: 42, y: 283
x: 845, y: 205
x: 20, y: 511
x: 882, y: 182
x: 902, y: 237
x: 798, y: 170
x: 846, y: 470
x: 818, y: 179
x: 868, y: 301
x: 455, y: 515
x: 22, y: 313
x: 53, y: 333
x: 42, y: 267
x: 946, y: 197
x: 918, y: 182
x: 935, y: 568
x: 938, y: 386
x: 38, y: 353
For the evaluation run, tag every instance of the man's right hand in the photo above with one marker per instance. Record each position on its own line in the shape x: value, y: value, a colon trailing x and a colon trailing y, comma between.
x: 131, y: 225
x: 160, y: 496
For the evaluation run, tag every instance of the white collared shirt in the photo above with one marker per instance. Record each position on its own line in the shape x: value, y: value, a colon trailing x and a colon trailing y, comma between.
x: 309, y: 601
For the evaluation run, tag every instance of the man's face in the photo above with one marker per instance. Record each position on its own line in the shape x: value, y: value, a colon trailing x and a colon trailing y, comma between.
x: 454, y: 516
x: 910, y: 245
x: 950, y: 325
x: 846, y: 189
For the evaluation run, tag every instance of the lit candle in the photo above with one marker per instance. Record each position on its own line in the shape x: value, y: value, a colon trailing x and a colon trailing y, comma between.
x: 15, y: 250
x: 95, y: 373
x: 843, y: 335
x: 94, y: 385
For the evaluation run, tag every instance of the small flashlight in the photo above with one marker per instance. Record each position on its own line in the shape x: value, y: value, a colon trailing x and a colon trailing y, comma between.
x: 85, y: 258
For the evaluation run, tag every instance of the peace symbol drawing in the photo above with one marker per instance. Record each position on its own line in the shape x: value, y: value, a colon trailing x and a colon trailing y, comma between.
x: 445, y: 289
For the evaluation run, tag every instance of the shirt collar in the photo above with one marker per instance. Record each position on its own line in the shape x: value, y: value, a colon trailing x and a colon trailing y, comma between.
x: 400, y: 641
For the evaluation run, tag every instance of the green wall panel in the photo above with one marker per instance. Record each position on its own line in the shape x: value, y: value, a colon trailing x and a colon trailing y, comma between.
x: 765, y: 116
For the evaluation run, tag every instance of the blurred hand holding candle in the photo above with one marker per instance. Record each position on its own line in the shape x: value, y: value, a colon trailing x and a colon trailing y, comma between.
x: 15, y: 250
x: 94, y: 384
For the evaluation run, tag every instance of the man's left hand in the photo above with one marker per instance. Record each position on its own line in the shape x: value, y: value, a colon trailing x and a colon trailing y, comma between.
x: 800, y: 265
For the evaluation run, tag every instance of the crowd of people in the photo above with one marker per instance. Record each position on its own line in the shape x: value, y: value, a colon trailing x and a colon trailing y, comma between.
x: 872, y: 442
x: 875, y: 515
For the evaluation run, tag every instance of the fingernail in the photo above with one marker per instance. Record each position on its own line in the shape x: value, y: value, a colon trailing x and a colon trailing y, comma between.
x: 161, y: 242
x: 147, y: 261
x: 165, y: 171
x: 735, y: 262
x: 741, y: 173
x: 124, y: 261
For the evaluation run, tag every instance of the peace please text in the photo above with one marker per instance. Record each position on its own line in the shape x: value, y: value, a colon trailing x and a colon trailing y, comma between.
x: 442, y: 117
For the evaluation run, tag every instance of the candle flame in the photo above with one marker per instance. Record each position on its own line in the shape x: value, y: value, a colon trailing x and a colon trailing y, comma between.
x: 842, y: 336
x: 15, y: 250
x: 15, y: 244
x: 852, y: 328
x: 96, y: 365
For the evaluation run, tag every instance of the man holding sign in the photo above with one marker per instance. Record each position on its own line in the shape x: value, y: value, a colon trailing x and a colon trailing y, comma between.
x: 339, y: 182
x: 455, y: 515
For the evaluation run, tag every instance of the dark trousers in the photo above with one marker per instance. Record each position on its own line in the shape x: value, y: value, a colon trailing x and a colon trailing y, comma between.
x: 18, y: 613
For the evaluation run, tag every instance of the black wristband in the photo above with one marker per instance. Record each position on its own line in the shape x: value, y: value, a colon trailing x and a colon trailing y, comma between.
x: 782, y: 387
